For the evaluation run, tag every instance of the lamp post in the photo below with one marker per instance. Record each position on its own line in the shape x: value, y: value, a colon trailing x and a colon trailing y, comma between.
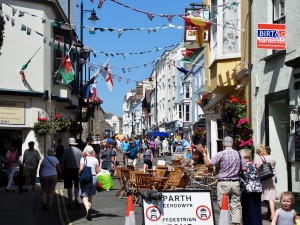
x: 94, y: 18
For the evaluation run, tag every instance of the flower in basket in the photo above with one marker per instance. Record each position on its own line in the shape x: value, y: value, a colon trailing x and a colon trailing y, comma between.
x: 199, y: 136
x: 42, y: 127
x: 244, y: 134
x: 234, y: 109
x: 60, y: 123
x: 205, y: 99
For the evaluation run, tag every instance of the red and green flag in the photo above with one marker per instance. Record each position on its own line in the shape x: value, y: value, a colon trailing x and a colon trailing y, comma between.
x: 191, y: 54
x: 66, y: 69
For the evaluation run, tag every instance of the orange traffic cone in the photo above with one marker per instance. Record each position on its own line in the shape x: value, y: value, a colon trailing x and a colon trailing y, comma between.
x: 224, y: 218
x: 130, y: 219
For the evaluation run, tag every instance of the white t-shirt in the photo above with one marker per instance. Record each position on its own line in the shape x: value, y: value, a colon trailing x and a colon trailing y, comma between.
x: 47, y: 168
x: 91, y: 162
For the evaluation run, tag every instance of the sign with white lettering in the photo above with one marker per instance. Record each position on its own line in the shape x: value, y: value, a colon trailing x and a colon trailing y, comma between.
x: 271, y: 36
x: 179, y: 208
x: 12, y: 113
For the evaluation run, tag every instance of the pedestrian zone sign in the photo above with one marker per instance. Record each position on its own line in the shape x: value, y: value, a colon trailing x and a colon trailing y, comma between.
x: 271, y: 36
x: 179, y: 208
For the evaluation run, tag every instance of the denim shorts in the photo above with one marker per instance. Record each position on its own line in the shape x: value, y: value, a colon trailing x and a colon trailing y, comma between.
x: 89, y: 189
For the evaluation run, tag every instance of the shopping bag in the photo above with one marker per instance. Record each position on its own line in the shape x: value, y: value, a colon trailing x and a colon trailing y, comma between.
x: 105, y: 179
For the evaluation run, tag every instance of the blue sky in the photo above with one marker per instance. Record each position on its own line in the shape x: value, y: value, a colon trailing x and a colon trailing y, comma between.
x: 113, y: 15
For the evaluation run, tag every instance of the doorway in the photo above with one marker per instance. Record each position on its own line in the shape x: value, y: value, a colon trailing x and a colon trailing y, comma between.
x: 277, y: 130
x: 10, y: 137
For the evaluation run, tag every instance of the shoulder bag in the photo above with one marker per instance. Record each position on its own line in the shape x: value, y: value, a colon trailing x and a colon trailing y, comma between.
x: 7, y: 162
x: 86, y: 174
x: 265, y: 170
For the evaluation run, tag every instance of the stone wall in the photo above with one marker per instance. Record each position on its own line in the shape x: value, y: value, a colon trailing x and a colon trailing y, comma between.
x: 96, y: 123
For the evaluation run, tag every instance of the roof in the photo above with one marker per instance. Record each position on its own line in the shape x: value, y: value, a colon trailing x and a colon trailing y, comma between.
x: 108, y: 115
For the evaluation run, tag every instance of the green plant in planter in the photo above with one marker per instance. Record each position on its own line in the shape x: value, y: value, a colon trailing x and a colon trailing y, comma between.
x: 60, y: 123
x: 42, y: 127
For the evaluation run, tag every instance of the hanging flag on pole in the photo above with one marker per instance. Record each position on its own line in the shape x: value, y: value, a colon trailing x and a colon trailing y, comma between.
x: 66, y: 69
x: 98, y: 72
x: 107, y: 76
x: 22, y: 73
x: 183, y: 70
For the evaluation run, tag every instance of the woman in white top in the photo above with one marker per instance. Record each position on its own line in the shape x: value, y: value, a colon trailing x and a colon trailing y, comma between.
x: 48, y: 175
x: 88, y: 190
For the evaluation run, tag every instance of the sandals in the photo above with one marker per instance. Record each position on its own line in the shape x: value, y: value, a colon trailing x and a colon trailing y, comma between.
x: 88, y: 215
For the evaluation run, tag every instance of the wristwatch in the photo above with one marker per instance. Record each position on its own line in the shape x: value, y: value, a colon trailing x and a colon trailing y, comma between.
x: 204, y: 154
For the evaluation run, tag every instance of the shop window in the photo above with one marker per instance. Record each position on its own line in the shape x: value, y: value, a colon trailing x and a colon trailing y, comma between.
x: 187, y: 113
x: 279, y: 11
x: 179, y: 111
x: 58, y: 57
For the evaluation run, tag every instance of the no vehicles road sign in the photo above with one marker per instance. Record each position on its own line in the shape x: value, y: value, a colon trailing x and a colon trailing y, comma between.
x: 179, y: 208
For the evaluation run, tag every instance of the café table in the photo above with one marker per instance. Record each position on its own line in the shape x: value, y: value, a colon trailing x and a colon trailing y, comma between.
x: 158, y: 182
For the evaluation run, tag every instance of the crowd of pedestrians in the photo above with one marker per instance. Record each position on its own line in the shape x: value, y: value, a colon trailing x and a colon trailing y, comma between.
x: 238, y: 172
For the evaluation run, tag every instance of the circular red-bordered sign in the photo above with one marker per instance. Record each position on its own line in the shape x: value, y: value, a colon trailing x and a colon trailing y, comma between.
x: 155, y: 209
x: 206, y: 209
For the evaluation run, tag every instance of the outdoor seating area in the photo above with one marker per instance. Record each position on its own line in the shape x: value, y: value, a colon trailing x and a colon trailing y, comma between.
x: 179, y: 175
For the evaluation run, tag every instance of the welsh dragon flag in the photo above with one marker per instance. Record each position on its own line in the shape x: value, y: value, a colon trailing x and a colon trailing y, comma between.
x: 66, y: 69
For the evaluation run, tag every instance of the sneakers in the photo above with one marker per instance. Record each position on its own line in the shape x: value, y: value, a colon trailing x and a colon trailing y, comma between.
x: 76, y: 203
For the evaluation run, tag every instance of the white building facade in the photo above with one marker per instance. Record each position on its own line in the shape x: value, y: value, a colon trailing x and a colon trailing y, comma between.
x: 39, y: 93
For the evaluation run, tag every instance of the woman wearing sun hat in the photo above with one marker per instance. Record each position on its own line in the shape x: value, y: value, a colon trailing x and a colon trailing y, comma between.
x: 88, y: 190
x: 48, y: 175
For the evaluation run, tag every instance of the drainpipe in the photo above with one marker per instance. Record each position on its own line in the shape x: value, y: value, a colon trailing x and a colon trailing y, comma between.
x: 249, y: 58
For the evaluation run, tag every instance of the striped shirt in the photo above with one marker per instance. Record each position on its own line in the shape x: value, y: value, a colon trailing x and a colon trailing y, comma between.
x: 229, y: 164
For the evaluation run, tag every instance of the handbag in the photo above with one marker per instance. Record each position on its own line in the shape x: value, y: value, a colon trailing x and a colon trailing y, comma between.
x: 6, y: 163
x: 86, y: 175
x: 265, y: 170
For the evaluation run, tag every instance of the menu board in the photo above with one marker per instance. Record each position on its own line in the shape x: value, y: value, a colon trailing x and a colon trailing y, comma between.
x: 297, y: 141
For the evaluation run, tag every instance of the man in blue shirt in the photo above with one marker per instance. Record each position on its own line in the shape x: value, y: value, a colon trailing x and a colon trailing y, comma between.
x: 137, y: 143
x: 125, y: 147
x: 132, y: 154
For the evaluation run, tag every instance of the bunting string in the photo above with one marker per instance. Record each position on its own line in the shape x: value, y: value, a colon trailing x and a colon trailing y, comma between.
x: 226, y: 6
x: 120, y: 31
x: 61, y: 45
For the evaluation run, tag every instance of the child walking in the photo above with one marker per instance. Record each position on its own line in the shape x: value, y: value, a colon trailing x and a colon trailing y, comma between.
x: 285, y: 215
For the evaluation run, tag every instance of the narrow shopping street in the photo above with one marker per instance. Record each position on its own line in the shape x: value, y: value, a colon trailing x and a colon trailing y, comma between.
x: 25, y: 208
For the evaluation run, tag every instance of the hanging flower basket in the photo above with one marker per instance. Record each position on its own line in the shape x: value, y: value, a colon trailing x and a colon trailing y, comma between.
x: 60, y: 123
x: 199, y: 136
x: 42, y: 127
x: 236, y: 125
x: 234, y: 109
x: 205, y: 99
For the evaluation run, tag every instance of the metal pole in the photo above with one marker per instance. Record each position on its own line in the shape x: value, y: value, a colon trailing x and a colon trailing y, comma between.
x: 81, y: 22
x: 156, y: 119
x: 69, y: 11
x: 81, y: 75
